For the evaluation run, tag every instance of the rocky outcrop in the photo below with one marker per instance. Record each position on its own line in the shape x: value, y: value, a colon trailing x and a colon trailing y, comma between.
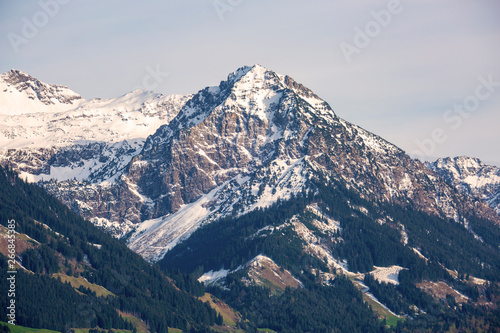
x: 35, y: 89
x: 256, y: 138
x: 471, y: 177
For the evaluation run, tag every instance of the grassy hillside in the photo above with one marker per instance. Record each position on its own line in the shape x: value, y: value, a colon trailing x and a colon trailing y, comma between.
x: 77, y: 282
x: 22, y: 329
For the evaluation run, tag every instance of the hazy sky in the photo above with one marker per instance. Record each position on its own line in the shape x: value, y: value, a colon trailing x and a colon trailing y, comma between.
x: 424, y: 75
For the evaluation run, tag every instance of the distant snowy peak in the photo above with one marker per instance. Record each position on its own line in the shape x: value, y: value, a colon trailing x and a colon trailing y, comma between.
x: 467, y: 170
x: 21, y: 93
x: 36, y: 114
x: 49, y: 132
x: 136, y: 100
x: 471, y: 176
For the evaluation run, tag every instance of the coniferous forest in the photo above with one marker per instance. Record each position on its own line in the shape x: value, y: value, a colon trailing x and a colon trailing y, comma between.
x: 165, y: 295
x: 61, y: 237
x: 365, y: 243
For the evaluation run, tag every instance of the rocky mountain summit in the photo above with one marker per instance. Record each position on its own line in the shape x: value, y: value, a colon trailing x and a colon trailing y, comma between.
x: 259, y: 137
x: 22, y: 93
x: 471, y: 177
x: 256, y: 138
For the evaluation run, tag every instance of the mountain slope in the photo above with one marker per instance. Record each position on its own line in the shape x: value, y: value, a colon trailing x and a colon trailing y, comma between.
x: 320, y: 238
x: 23, y: 94
x: 298, y: 218
x: 47, y: 132
x: 53, y: 242
x: 40, y: 115
x: 256, y: 138
x: 471, y: 177
x: 259, y: 137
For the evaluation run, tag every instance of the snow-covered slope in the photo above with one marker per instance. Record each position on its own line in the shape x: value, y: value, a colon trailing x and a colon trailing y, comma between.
x: 49, y: 132
x: 23, y: 94
x: 93, y: 161
x: 134, y: 115
x: 472, y: 177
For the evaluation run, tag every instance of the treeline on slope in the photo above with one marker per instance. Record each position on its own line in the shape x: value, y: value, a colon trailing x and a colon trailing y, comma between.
x: 445, y: 242
x: 44, y: 302
x: 232, y: 242
x: 314, y: 308
x: 441, y: 316
x: 451, y: 244
x: 140, y: 288
x: 229, y: 242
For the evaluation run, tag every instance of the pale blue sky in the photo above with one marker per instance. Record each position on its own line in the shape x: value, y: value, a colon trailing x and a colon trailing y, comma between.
x: 429, y: 57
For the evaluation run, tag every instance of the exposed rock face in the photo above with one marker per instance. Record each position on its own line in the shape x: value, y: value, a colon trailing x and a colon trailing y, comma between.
x: 35, y: 89
x: 242, y: 126
x: 222, y: 132
x: 471, y: 177
x: 77, y: 149
x: 256, y: 138
x: 109, y: 206
x: 28, y: 161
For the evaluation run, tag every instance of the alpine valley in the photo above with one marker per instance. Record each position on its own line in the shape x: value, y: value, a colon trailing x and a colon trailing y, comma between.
x: 254, y: 197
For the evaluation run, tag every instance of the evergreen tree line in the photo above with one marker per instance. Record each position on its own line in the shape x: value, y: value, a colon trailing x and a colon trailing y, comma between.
x: 231, y: 242
x: 314, y: 308
x: 42, y: 301
x: 139, y: 287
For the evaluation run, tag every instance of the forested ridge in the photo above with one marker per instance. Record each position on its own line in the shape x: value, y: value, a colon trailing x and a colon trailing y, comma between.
x: 64, y: 239
x: 69, y: 245
x: 363, y: 243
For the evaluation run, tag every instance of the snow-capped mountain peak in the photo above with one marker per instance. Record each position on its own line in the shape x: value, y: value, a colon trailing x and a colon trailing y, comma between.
x: 250, y: 79
x: 251, y: 92
x: 39, y: 115
x: 471, y: 176
x: 256, y: 138
x: 132, y: 100
x: 22, y: 93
